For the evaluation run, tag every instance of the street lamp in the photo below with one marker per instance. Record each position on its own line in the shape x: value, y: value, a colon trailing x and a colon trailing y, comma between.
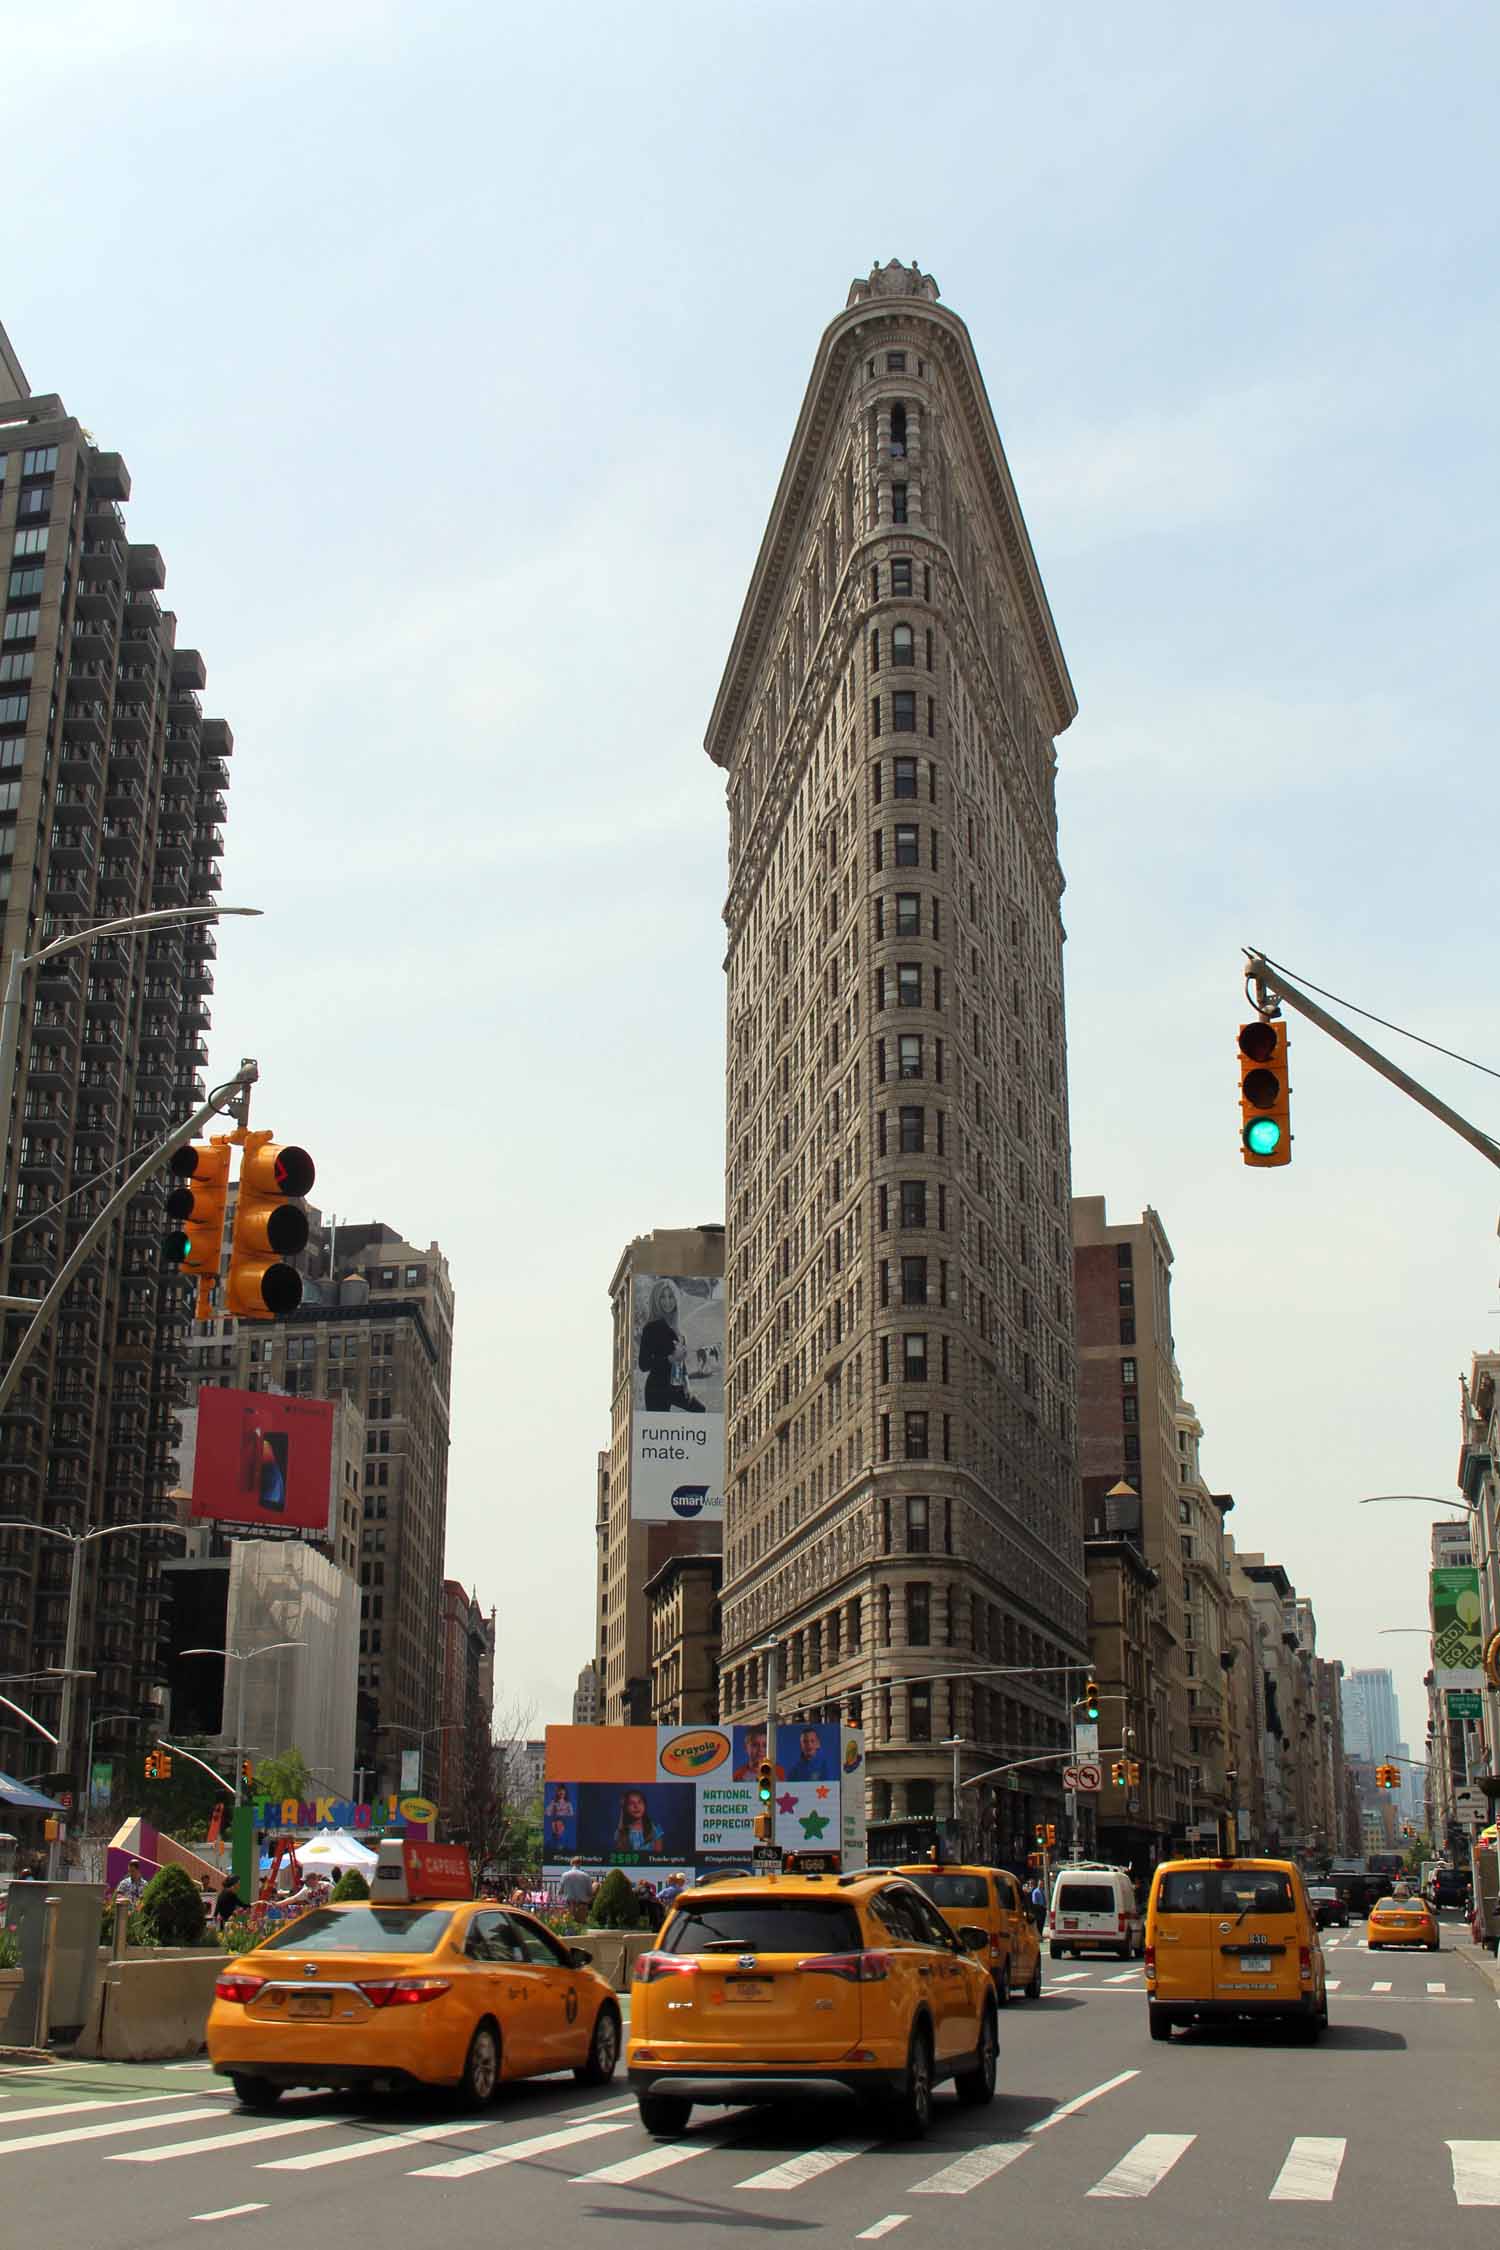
x: 96, y: 1719
x: 241, y: 1656
x: 1424, y: 1499
x: 424, y: 1736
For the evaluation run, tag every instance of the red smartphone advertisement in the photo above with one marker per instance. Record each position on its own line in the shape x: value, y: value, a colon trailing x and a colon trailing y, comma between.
x: 264, y: 1460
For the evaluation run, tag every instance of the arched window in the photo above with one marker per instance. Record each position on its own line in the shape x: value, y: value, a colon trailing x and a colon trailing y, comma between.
x: 898, y: 431
x: 901, y: 645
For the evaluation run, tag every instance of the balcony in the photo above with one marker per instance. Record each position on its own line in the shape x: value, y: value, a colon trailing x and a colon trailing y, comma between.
x: 92, y: 636
x: 147, y: 570
x: 124, y: 798
x: 68, y: 890
x: 188, y: 670
x: 102, y: 518
x: 132, y: 720
x: 127, y: 761
x: 98, y: 598
x: 212, y: 807
x: 73, y: 846
x: 80, y: 760
x: 102, y: 559
x: 41, y: 1163
x: 84, y: 719
x: 142, y: 608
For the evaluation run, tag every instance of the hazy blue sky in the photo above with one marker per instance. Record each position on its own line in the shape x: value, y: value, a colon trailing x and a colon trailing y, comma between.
x: 454, y: 352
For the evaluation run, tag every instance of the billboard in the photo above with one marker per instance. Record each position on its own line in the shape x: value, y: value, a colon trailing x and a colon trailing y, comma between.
x: 265, y: 1460
x: 677, y: 1398
x: 657, y: 1798
x: 1457, y: 1643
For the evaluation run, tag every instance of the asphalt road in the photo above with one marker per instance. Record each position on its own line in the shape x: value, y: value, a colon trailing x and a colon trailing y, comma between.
x: 1389, y: 2127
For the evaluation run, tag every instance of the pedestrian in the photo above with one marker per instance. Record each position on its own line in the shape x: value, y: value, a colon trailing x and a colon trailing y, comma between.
x: 651, y: 1904
x: 229, y: 1903
x: 130, y: 1890
x: 577, y: 1886
x: 1038, y: 1904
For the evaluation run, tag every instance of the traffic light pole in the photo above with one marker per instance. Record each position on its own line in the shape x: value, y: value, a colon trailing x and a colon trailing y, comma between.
x: 221, y: 1099
x: 1272, y: 985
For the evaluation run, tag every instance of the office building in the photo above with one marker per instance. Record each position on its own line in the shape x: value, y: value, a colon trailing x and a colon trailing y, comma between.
x: 1372, y: 1722
x: 633, y: 1543
x: 682, y: 1608
x: 902, y: 1497
x: 467, y: 1704
x: 111, y: 804
x: 375, y: 1325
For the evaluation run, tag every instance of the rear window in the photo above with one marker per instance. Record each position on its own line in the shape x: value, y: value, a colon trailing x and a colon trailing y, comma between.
x: 763, y: 1925
x: 1214, y: 1890
x: 955, y: 1890
x: 1084, y: 1898
x: 1398, y: 1906
x: 1321, y: 1891
x: 363, y: 1929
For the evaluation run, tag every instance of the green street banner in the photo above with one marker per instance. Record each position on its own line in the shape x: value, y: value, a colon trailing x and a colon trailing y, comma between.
x: 1457, y: 1647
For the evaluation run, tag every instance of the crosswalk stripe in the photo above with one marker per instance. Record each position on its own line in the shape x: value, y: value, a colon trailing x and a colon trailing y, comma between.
x: 1380, y: 1987
x: 116, y: 2125
x: 516, y: 2152
x: 76, y: 2109
x: 1074, y: 1976
x: 1334, y: 1983
x: 1131, y: 1976
x: 1078, y: 2102
x: 1436, y: 1987
x: 1476, y: 2172
x: 1145, y: 2166
x: 373, y: 2144
x: 810, y: 2165
x: 887, y: 2225
x: 968, y: 2172
x: 1311, y: 2171
x: 241, y: 2139
x: 658, y: 2159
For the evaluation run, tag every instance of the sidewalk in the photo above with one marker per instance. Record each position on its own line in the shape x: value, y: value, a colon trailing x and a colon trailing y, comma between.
x: 1483, y: 1963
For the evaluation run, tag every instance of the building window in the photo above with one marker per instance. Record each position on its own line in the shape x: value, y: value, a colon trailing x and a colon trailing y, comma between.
x: 902, y: 649
x: 901, y: 575
x: 913, y: 1131
x: 898, y: 430
x: 1127, y: 1289
x: 908, y: 984
x: 904, y: 775
x: 875, y: 655
x: 908, y: 852
x: 910, y: 1049
x: 1124, y: 1256
x: 39, y: 462
x: 918, y: 1616
x: 874, y: 714
x: 916, y: 1436
x: 898, y: 503
x: 1127, y: 1373
x: 904, y: 715
x: 916, y: 1526
x: 914, y: 1203
x: 914, y: 1365
x: 914, y: 1281
x: 413, y: 1276
x: 1132, y: 1448
x: 1127, y: 1331
x: 895, y: 364
x: 908, y: 914
x: 919, y: 1707
x: 1130, y: 1407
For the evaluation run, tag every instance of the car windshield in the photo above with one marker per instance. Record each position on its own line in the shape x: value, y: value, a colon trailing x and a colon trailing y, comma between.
x: 763, y: 1925
x: 1234, y: 1891
x: 1321, y: 1891
x: 363, y: 1929
x: 954, y: 1890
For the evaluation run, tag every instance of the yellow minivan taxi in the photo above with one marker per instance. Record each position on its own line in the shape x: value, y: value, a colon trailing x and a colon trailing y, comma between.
x: 1232, y: 1938
x: 991, y: 1898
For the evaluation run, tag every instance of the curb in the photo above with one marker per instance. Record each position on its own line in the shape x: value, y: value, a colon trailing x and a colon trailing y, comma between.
x: 1484, y: 1965
x: 38, y: 2055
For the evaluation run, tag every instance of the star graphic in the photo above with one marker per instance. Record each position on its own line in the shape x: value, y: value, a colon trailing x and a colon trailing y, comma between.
x: 814, y: 1823
x: 788, y: 1803
x: 821, y: 1790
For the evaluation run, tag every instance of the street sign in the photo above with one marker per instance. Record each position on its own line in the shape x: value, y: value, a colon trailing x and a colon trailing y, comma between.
x: 1084, y: 1779
x: 767, y: 1859
x: 1463, y: 1703
x: 1085, y: 1738
x: 1471, y: 1807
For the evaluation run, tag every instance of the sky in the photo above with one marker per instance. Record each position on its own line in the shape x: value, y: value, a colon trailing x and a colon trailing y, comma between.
x: 455, y: 351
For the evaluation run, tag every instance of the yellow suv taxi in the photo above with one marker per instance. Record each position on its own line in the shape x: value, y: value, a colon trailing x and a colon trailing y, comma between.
x: 1232, y: 1937
x: 990, y: 1897
x: 781, y: 1984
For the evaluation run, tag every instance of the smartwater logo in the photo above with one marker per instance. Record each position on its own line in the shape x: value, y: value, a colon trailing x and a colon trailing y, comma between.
x: 689, y: 1499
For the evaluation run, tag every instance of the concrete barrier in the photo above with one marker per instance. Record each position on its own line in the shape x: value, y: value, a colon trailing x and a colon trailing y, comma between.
x: 614, y: 1953
x: 152, y: 2006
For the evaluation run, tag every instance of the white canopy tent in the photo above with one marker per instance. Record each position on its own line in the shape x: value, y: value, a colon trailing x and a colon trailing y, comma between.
x: 336, y: 1850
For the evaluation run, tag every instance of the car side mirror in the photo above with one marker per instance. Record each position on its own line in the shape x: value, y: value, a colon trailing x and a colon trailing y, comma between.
x: 972, y: 1938
x: 580, y: 1956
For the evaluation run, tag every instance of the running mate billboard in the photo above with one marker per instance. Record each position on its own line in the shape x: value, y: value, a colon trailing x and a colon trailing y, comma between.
x: 677, y: 1398
x: 664, y: 1799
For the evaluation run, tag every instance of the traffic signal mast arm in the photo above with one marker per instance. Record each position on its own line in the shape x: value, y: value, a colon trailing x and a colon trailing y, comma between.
x: 1273, y: 985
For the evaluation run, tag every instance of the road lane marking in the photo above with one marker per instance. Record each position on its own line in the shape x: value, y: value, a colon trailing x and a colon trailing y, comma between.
x: 1145, y: 2166
x: 1079, y: 2101
x: 798, y: 2170
x: 1380, y: 1987
x: 230, y: 2211
x: 887, y: 2225
x: 240, y: 2139
x: 1436, y: 1987
x: 1476, y: 2172
x: 515, y: 2152
x: 658, y: 2159
x: 1333, y: 1984
x: 1074, y: 1976
x: 1311, y: 2171
x: 372, y: 2144
x: 1130, y: 1976
x: 968, y: 2172
x: 106, y: 2132
x: 76, y: 2109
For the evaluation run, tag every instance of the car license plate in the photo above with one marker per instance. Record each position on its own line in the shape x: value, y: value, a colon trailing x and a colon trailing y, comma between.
x: 748, y: 1988
x: 311, y: 2004
x: 1255, y: 1964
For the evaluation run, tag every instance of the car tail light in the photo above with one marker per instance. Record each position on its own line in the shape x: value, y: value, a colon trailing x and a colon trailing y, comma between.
x: 404, y: 1992
x: 238, y: 1988
x: 1304, y: 1960
x: 650, y: 1966
x: 1119, y: 1925
x: 1151, y: 1960
x: 854, y: 1968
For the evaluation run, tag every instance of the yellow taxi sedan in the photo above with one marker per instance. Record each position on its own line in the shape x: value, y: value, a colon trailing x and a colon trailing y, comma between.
x: 1402, y: 1921
x: 457, y: 1995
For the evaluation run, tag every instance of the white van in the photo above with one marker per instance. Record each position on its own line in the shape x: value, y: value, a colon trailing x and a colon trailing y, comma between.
x: 1094, y: 1910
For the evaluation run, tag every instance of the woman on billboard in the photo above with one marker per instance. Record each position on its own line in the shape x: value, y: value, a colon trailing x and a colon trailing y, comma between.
x: 662, y: 1357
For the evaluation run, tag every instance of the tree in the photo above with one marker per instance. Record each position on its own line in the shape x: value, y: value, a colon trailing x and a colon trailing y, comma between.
x: 616, y: 1906
x: 488, y: 1819
x: 351, y: 1884
x: 285, y: 1775
x: 172, y: 1908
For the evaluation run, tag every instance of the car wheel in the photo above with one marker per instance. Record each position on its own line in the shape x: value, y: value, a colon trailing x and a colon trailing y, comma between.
x: 254, y: 2093
x: 604, y: 2050
x: 1002, y: 1985
x: 1435, y: 1946
x: 1034, y: 1987
x: 909, y: 2112
x: 664, y: 2116
x: 1160, y: 2021
x: 481, y: 2071
x: 975, y: 2088
x: 1123, y: 1952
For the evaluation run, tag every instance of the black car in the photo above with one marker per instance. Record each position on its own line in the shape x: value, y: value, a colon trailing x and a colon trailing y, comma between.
x: 1449, y: 1887
x: 1328, y: 1905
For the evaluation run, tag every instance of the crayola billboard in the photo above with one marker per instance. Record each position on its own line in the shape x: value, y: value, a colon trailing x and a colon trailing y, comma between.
x: 663, y: 1797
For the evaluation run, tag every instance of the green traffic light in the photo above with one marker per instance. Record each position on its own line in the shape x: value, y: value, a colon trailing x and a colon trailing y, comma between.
x: 175, y: 1248
x: 1263, y: 1136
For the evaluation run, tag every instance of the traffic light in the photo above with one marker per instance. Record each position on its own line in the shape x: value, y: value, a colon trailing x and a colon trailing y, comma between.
x: 1133, y: 1771
x: 197, y: 1208
x: 1051, y: 1835
x: 1265, y: 1115
x: 1041, y: 1836
x: 1091, y: 1699
x: 153, y: 1766
x: 1034, y: 1859
x: 1387, y: 1777
x: 268, y: 1227
x: 765, y: 1791
x: 247, y: 1771
x: 1117, y: 1773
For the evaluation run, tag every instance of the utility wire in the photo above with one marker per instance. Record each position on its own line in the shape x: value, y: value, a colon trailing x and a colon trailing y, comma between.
x: 1384, y: 1021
